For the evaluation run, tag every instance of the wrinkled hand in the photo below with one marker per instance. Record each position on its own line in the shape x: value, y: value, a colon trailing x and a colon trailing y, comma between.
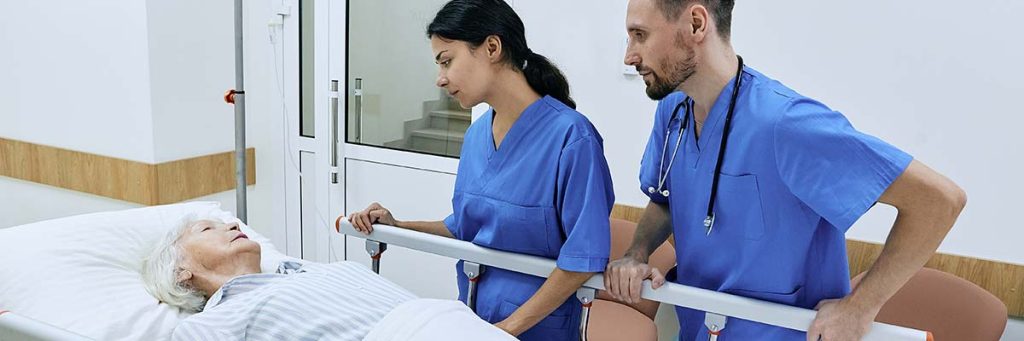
x: 374, y: 214
x: 623, y: 278
x: 840, y: 320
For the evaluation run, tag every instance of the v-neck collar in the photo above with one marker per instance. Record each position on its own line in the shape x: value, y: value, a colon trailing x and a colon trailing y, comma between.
x: 521, y: 124
x: 712, y: 124
x: 513, y: 138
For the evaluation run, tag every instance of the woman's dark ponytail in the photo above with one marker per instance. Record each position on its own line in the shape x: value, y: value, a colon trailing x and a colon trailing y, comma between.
x: 473, y: 21
x: 545, y: 78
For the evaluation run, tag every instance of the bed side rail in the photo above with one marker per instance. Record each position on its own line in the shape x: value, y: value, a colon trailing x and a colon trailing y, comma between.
x: 717, y: 305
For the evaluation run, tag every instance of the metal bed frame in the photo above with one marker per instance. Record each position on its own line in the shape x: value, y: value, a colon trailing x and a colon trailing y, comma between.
x: 719, y: 307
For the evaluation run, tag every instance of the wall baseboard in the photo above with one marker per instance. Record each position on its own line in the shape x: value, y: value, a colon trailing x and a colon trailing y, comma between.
x: 1004, y: 280
x: 137, y: 182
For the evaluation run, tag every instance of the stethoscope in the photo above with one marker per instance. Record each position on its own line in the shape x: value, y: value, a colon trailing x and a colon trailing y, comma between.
x: 709, y: 220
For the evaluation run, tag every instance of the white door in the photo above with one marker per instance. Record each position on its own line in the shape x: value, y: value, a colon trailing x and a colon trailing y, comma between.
x: 403, y: 133
x: 301, y: 71
x: 398, y: 136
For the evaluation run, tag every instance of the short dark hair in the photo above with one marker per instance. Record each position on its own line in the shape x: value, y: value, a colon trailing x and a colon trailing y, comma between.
x: 721, y: 10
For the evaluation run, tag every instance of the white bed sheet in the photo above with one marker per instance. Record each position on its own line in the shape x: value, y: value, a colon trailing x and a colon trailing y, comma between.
x: 432, y: 319
x: 81, y: 273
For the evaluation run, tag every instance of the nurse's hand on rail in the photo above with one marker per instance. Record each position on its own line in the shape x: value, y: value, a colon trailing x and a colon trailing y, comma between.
x: 623, y: 278
x: 841, y: 320
x: 374, y: 214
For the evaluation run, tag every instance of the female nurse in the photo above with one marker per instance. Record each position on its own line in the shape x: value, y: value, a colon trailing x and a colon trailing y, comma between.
x: 532, y: 176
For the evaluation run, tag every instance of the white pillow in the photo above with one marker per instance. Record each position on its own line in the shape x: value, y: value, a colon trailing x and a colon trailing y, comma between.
x: 81, y: 273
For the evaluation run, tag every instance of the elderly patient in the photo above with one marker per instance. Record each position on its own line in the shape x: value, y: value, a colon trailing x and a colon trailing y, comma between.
x: 211, y: 267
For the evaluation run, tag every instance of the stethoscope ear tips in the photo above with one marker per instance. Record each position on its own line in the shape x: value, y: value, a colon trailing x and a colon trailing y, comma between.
x: 665, y: 193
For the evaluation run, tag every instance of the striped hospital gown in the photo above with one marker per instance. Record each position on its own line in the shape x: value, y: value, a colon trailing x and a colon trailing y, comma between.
x: 340, y: 301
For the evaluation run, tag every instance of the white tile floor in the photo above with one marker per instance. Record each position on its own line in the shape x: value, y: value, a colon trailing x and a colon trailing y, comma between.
x: 1014, y: 330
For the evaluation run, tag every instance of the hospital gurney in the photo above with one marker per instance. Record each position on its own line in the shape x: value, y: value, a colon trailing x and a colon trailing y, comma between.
x: 79, y: 278
x: 719, y: 307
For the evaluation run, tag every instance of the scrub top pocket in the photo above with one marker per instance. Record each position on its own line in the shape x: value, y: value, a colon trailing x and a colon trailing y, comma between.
x: 519, y: 228
x: 738, y: 207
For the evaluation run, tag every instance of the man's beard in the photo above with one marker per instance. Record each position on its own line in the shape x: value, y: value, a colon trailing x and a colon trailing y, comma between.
x: 676, y: 73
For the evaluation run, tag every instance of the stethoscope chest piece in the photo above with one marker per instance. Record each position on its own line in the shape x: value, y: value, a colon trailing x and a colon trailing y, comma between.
x: 709, y: 223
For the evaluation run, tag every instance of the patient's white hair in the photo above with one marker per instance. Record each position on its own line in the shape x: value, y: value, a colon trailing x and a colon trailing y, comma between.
x: 161, y: 269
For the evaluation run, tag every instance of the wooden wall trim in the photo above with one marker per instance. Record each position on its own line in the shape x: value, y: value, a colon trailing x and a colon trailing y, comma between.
x: 1004, y: 280
x: 137, y: 182
x: 191, y: 178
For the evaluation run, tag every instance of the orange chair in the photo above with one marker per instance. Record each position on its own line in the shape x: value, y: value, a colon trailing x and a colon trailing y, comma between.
x: 948, y: 306
x: 614, y: 320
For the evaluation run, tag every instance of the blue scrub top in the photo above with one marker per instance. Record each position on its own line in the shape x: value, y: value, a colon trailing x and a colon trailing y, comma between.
x: 546, y: 191
x: 795, y: 177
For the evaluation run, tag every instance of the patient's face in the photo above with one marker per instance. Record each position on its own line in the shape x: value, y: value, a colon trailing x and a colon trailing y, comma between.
x: 220, y: 248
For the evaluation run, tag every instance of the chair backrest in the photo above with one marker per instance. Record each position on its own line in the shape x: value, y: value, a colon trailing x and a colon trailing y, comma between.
x: 613, y: 321
x: 948, y: 306
x: 664, y: 258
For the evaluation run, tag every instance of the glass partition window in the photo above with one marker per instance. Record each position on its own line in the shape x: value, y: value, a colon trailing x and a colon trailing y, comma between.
x: 307, y: 81
x: 392, y: 101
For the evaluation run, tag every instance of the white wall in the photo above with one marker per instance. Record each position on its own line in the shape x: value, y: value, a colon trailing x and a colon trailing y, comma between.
x: 934, y: 78
x: 141, y: 81
x: 26, y: 202
x: 76, y: 75
x: 191, y: 64
x: 944, y: 93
